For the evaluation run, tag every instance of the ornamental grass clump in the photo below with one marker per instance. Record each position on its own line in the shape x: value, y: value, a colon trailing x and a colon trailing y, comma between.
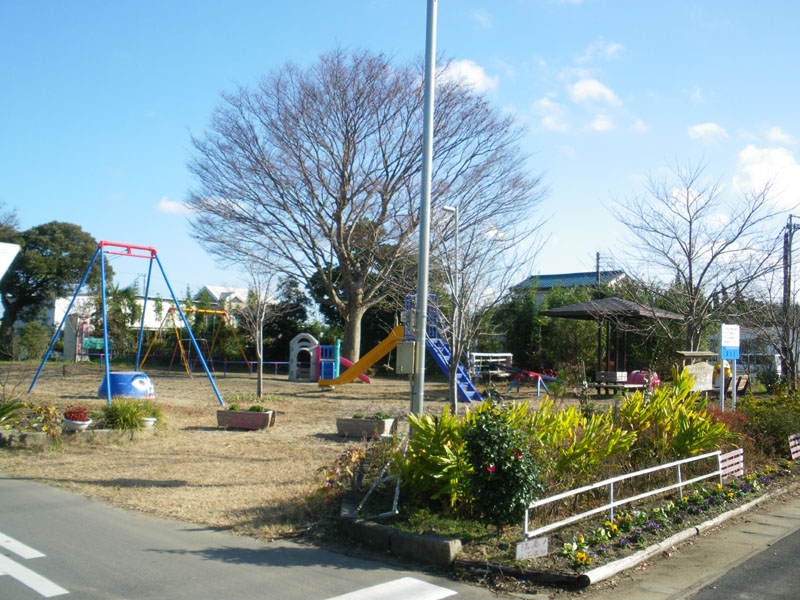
x: 435, y: 468
x: 672, y: 423
x: 125, y: 415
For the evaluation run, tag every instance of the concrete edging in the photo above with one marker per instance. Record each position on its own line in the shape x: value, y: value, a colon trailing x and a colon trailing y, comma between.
x: 612, y: 568
x: 13, y: 438
x: 441, y: 551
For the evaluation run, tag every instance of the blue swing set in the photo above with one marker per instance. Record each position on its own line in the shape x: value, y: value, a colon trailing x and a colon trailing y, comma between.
x: 113, y: 248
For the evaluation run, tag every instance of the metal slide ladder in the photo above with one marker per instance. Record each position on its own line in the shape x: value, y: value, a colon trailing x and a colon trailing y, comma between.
x: 438, y: 349
x: 441, y: 354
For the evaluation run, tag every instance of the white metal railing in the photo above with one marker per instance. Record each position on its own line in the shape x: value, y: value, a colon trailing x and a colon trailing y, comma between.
x: 609, y: 483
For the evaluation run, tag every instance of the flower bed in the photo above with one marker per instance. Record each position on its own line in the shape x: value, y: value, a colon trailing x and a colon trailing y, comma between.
x: 596, y: 542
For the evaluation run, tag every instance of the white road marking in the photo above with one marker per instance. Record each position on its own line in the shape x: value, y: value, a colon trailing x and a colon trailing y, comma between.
x: 399, y: 589
x: 41, y: 585
x: 33, y: 580
x: 18, y: 548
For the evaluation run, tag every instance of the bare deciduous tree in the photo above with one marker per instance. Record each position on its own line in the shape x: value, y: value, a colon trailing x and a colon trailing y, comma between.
x: 321, y: 166
x: 491, y: 257
x: 694, y: 251
x: 253, y: 316
x: 775, y: 325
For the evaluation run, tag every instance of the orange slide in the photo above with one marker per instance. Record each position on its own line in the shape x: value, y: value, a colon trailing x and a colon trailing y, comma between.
x: 369, y: 359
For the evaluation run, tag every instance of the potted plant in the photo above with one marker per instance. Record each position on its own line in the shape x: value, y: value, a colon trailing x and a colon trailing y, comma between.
x: 366, y: 426
x: 255, y: 417
x: 76, y: 418
x: 150, y: 413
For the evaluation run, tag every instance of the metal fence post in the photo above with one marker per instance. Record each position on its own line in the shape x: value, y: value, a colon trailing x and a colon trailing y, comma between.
x: 680, y: 480
x: 611, y: 501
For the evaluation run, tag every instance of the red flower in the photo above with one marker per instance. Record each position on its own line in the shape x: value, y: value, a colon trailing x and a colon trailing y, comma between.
x: 490, y: 468
x: 76, y: 413
x: 517, y: 454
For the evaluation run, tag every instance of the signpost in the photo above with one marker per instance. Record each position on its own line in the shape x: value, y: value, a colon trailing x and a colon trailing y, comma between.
x: 729, y: 350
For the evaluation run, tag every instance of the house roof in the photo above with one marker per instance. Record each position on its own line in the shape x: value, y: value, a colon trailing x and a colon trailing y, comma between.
x: 219, y: 293
x: 609, y: 308
x: 586, y: 278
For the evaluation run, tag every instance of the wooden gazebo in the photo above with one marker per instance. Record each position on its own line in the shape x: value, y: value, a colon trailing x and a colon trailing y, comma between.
x: 608, y: 312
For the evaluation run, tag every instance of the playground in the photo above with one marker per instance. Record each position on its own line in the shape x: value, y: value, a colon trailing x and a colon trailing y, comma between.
x: 253, y: 483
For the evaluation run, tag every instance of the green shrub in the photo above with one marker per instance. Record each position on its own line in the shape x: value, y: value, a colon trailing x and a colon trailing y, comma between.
x: 772, y: 420
x: 10, y: 410
x: 575, y: 444
x: 435, y: 465
x: 505, y: 475
x: 671, y: 423
x: 233, y: 406
x: 124, y: 415
x: 256, y: 408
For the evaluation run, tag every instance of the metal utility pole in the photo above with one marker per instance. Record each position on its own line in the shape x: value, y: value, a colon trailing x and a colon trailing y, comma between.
x: 418, y: 392
x: 456, y: 352
x: 786, y: 336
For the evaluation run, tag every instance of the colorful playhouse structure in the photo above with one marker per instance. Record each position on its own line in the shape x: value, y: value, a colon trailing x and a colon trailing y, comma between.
x: 309, y: 361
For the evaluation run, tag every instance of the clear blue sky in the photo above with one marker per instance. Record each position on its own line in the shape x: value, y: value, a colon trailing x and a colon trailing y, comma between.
x: 99, y: 99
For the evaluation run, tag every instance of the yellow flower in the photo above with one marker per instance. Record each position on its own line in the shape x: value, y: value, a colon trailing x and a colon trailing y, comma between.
x: 580, y: 539
x: 588, y: 560
x: 719, y: 487
x: 730, y: 495
x: 607, y: 524
x: 44, y: 428
x: 580, y: 557
x: 684, y: 499
x: 614, y: 529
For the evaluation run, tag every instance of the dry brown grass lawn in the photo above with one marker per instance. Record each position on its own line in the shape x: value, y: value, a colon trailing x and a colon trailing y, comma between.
x: 253, y: 483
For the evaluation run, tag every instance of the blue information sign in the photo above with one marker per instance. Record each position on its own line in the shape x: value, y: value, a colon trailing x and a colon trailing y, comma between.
x: 730, y: 353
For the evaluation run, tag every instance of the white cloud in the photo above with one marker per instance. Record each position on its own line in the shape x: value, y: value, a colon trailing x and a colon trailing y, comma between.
x: 778, y: 136
x: 590, y: 90
x: 640, y: 126
x: 553, y: 114
x: 171, y: 207
x: 707, y: 132
x: 758, y: 167
x: 602, y: 123
x: 471, y: 73
x: 482, y: 18
x: 695, y: 95
x: 600, y: 49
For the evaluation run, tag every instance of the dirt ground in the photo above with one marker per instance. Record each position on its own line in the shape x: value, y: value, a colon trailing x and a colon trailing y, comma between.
x: 253, y: 483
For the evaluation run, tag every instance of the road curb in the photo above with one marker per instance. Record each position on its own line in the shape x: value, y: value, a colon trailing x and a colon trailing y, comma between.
x: 608, y: 570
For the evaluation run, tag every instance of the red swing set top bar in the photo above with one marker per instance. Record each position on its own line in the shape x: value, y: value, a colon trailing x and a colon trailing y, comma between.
x: 129, y: 249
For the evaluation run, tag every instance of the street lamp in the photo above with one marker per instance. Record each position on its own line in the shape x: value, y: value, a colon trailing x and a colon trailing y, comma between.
x: 456, y: 312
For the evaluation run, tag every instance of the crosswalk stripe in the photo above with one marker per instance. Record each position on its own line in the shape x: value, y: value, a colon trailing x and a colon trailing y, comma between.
x: 399, y: 589
x: 18, y: 547
x: 33, y: 580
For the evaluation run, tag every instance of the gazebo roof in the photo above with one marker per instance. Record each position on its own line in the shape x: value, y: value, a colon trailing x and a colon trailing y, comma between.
x: 609, y: 308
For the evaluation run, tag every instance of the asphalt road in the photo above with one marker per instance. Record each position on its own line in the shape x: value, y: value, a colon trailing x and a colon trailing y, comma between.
x: 772, y: 574
x: 56, y: 544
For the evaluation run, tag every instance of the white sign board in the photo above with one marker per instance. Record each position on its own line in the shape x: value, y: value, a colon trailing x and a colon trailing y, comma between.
x: 534, y: 548
x: 730, y: 336
x: 8, y: 252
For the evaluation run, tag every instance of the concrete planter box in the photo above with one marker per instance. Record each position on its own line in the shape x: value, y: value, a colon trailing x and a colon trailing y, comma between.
x: 364, y: 428
x: 244, y: 419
